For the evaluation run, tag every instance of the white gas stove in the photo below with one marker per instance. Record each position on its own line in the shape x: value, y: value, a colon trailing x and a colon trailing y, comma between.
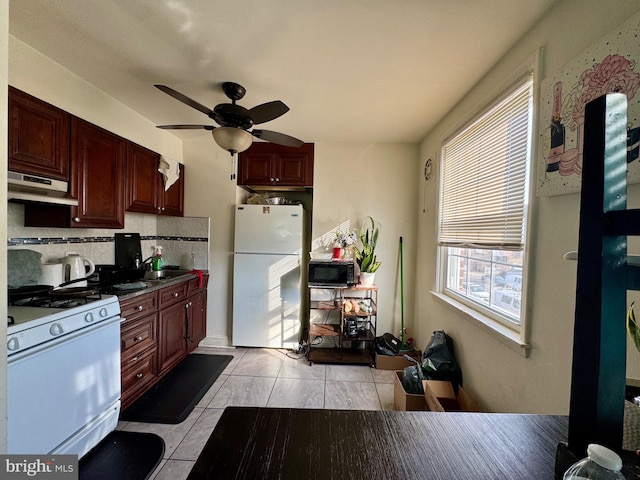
x: 32, y: 325
x: 63, y: 375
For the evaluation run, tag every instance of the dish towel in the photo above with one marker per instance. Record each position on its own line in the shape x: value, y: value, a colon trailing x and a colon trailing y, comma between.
x: 200, y: 277
x: 170, y: 170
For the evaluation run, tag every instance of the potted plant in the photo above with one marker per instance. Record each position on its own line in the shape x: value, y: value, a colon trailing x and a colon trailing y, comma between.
x: 631, y: 430
x: 365, y: 256
x: 343, y: 244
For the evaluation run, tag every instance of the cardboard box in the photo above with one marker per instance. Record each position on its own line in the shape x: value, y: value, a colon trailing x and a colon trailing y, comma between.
x: 404, y: 401
x: 440, y: 397
x: 397, y: 362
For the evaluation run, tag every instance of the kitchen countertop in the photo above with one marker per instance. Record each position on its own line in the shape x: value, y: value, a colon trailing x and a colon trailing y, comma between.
x: 157, y: 285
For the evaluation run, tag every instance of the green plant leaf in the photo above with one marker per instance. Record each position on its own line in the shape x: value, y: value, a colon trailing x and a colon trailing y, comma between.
x: 365, y: 256
x: 632, y: 327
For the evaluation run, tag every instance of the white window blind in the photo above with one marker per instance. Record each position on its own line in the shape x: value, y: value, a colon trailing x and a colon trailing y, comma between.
x: 484, y: 183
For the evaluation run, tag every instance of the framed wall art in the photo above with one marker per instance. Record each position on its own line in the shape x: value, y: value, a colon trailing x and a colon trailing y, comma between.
x: 611, y: 65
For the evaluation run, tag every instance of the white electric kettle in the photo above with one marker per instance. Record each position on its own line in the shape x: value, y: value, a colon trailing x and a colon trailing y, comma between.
x: 75, y: 267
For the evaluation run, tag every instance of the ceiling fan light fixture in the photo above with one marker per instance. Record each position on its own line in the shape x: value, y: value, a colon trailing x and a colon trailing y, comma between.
x: 232, y: 139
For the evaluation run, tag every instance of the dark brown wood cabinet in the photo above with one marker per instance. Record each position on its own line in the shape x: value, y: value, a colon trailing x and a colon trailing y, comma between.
x: 173, y: 199
x: 172, y: 346
x: 98, y: 163
x: 269, y: 166
x: 138, y: 346
x: 196, y: 320
x: 38, y: 137
x: 174, y: 305
x: 97, y: 170
x: 159, y: 330
x: 47, y: 141
x: 145, y: 191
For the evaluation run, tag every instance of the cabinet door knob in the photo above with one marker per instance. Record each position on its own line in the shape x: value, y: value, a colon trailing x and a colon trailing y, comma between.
x: 139, y: 375
x: 277, y: 179
x: 139, y: 308
x: 175, y: 295
x: 138, y: 338
x: 76, y: 219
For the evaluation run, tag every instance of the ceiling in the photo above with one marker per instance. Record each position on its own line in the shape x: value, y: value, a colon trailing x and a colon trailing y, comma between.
x: 350, y: 70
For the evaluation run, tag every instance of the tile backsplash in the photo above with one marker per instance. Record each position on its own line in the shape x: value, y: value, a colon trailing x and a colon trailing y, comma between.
x: 179, y: 237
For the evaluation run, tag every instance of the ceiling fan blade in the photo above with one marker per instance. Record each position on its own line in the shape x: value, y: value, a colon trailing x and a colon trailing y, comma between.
x: 184, y: 99
x: 267, y: 111
x: 278, y: 138
x: 186, y: 127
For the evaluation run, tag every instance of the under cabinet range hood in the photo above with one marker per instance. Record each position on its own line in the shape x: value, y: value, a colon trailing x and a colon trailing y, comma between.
x: 24, y: 187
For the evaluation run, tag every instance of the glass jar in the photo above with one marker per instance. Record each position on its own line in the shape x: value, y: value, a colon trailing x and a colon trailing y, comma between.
x: 601, y: 464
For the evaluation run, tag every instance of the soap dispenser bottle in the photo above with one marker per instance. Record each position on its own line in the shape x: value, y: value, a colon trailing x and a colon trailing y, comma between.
x: 157, y: 262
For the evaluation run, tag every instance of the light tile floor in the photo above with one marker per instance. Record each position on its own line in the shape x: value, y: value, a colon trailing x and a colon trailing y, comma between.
x: 265, y: 378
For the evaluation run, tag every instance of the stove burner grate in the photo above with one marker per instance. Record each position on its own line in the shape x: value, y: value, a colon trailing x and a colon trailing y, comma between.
x: 54, y: 302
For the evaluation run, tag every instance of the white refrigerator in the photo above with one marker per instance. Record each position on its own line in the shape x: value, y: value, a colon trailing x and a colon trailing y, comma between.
x: 266, y: 275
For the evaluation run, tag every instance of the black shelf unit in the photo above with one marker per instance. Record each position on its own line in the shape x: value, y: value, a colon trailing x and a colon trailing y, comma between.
x: 351, y: 349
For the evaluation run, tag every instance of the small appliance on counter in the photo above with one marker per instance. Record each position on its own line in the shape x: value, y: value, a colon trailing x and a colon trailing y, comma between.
x: 52, y: 274
x: 331, y: 274
x: 107, y: 276
x: 75, y: 267
x: 128, y: 249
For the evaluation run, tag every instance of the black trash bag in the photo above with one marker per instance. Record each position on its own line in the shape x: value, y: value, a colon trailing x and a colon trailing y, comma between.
x: 387, y: 344
x: 438, y: 360
x: 412, y: 377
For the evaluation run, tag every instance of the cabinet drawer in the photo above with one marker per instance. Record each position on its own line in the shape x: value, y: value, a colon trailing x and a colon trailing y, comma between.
x: 138, y: 337
x: 138, y: 307
x: 173, y: 294
x: 138, y: 374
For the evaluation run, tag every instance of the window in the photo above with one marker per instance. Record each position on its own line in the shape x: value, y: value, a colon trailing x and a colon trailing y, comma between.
x: 484, y: 195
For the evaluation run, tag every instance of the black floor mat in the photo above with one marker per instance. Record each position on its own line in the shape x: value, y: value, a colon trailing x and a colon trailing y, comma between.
x: 172, y: 399
x: 123, y: 456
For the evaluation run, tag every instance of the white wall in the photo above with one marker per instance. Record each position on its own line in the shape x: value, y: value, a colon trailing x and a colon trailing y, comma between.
x: 497, y: 377
x: 209, y: 192
x: 356, y: 180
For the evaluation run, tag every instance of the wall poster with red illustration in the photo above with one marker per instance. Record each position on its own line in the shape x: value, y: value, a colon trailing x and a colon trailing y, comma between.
x: 611, y: 65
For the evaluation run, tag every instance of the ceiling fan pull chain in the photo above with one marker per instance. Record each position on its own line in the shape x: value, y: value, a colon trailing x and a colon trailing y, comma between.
x: 232, y: 176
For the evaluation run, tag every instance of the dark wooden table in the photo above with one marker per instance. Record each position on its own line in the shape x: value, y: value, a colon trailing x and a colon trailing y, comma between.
x: 274, y: 443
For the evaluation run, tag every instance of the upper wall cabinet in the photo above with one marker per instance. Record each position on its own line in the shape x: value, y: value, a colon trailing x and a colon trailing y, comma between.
x: 98, y: 163
x: 38, y: 137
x: 97, y: 181
x: 266, y: 166
x: 47, y: 141
x: 145, y: 185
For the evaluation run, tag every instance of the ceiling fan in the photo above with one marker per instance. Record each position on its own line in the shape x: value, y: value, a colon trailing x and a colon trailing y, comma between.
x: 235, y: 121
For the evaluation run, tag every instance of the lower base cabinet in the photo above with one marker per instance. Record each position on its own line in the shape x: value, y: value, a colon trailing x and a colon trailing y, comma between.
x: 159, y: 330
x: 172, y: 345
x: 196, y: 320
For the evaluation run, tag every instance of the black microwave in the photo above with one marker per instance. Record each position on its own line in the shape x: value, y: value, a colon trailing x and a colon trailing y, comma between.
x: 331, y: 274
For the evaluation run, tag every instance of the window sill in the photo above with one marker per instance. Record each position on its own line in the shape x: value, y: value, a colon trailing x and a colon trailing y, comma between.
x: 505, y: 335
